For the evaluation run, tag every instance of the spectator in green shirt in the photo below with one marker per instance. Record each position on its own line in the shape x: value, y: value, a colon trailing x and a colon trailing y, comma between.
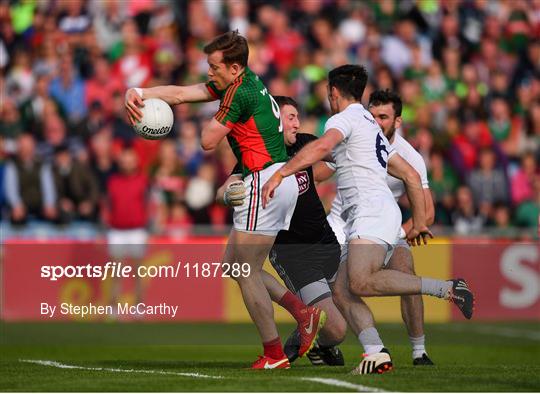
x: 528, y: 212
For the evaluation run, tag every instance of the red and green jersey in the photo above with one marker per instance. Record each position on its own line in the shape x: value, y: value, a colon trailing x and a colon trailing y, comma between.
x: 252, y: 114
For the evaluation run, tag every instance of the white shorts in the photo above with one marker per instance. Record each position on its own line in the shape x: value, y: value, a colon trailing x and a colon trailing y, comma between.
x: 377, y: 217
x: 252, y: 218
x: 127, y: 243
x: 338, y: 226
x: 379, y: 222
x: 402, y: 243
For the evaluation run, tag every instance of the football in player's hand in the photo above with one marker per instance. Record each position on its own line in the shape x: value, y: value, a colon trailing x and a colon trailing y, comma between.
x: 157, y: 119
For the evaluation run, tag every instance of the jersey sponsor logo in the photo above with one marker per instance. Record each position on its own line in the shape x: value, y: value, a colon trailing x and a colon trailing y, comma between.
x: 302, y: 178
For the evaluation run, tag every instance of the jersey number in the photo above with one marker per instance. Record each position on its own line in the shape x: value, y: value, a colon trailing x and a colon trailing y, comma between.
x: 277, y: 114
x: 380, y: 147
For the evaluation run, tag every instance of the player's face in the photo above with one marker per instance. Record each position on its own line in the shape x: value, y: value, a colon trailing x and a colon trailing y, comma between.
x: 220, y: 73
x: 291, y: 123
x: 386, y: 118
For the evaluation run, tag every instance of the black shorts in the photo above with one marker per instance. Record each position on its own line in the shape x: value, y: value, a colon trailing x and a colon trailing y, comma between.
x: 306, y: 268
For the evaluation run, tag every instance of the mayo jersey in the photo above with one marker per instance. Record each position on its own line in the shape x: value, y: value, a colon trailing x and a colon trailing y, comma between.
x: 252, y: 114
x: 411, y: 156
x: 361, y: 158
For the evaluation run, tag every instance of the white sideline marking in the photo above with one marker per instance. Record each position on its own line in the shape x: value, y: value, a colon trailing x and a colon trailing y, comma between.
x: 342, y: 383
x: 330, y: 382
x: 56, y: 364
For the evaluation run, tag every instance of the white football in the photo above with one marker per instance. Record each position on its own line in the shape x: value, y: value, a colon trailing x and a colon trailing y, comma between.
x: 157, y: 119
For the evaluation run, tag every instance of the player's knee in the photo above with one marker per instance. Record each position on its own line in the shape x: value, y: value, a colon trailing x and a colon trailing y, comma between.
x: 404, y: 267
x: 359, y: 287
x: 336, y: 330
x: 339, y: 296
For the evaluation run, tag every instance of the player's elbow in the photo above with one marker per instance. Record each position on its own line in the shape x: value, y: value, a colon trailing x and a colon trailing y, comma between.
x: 207, y: 143
x: 411, y: 177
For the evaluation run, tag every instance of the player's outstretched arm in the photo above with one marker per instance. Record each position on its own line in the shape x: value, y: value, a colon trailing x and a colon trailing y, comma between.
x: 399, y: 168
x: 171, y: 94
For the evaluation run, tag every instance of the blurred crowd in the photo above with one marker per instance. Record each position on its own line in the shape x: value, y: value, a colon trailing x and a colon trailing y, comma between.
x: 468, y: 72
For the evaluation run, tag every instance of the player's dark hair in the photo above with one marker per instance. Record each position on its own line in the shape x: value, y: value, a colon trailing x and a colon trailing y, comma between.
x: 387, y: 96
x: 286, y: 100
x: 349, y: 79
x: 233, y: 45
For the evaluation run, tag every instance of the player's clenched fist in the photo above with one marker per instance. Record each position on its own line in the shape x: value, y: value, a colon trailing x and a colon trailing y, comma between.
x: 235, y: 194
x: 132, y: 102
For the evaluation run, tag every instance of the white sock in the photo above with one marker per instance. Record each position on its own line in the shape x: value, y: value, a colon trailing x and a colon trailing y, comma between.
x: 418, y: 346
x: 435, y: 287
x: 370, y: 340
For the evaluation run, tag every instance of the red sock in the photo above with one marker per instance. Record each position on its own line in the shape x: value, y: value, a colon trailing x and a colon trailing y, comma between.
x: 273, y: 349
x: 294, y: 305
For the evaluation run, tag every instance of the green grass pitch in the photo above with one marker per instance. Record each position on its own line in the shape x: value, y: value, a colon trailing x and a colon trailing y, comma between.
x: 165, y: 357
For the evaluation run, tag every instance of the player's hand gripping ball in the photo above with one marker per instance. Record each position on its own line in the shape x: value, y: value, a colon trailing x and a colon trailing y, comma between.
x: 157, y: 119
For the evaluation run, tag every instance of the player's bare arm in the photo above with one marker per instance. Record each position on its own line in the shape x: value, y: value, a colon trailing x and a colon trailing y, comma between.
x: 399, y: 168
x: 171, y: 94
x: 307, y: 156
x: 322, y: 171
x: 430, y: 212
x: 212, y: 134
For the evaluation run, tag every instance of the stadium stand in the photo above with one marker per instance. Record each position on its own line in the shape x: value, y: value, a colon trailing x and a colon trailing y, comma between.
x: 468, y: 73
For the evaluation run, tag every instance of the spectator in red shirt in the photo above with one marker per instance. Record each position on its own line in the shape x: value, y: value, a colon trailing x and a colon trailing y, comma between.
x: 467, y: 144
x: 127, y: 236
x: 134, y: 67
x: 283, y: 41
x: 102, y: 86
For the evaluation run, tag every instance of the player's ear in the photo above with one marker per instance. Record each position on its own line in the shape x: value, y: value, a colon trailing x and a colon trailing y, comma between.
x: 398, y: 122
x: 235, y: 68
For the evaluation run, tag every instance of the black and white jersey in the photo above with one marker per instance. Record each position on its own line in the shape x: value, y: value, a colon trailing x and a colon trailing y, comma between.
x: 308, y: 224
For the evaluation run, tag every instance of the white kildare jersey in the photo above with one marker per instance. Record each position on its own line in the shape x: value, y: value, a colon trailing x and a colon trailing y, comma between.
x: 397, y: 187
x: 361, y: 158
x: 411, y: 156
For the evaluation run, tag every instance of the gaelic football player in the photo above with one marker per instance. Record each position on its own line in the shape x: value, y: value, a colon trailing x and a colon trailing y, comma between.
x: 363, y: 156
x: 385, y: 106
x: 307, y: 255
x: 249, y: 117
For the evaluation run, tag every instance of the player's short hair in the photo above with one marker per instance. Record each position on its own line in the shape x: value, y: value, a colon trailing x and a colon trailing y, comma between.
x: 233, y: 45
x: 349, y: 79
x: 286, y: 100
x: 387, y: 96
